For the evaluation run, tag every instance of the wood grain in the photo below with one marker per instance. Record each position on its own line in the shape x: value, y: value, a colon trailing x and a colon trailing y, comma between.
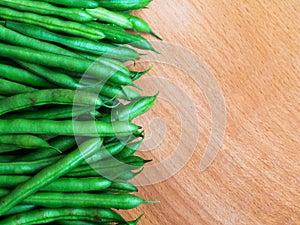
x: 253, y: 49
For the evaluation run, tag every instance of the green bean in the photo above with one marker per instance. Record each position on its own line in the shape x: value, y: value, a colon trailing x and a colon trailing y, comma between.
x: 63, y: 143
x: 132, y: 110
x: 58, y: 112
x: 26, y: 167
x: 19, y: 209
x: 106, y: 151
x: 103, y: 70
x: 78, y: 222
x: 67, y: 127
x: 49, y: 174
x: 77, y: 43
x: 85, y: 200
x: 110, y: 173
x: 139, y: 24
x: 24, y: 141
x: 62, y: 184
x: 57, y: 78
x: 122, y: 37
x: 7, y: 158
x: 129, y: 150
x: 136, y: 75
x: 113, y: 91
x: 108, y: 16
x: 75, y: 3
x: 52, y: 23
x: 49, y: 96
x: 48, y: 9
x: 134, y: 222
x: 41, y: 216
x: 8, y: 148
x: 124, y: 5
x: 23, y: 77
x: 128, y: 175
x: 15, y: 38
x: 10, y: 88
x: 122, y: 186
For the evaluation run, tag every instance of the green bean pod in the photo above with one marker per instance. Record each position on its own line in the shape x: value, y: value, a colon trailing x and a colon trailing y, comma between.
x: 130, y: 111
x: 108, y: 16
x: 41, y: 216
x: 49, y: 96
x: 24, y: 141
x: 49, y: 174
x: 129, y: 150
x: 23, y: 77
x: 45, y: 8
x: 139, y: 24
x: 26, y: 167
x: 67, y: 127
x: 102, y: 69
x: 19, y: 209
x: 122, y: 37
x: 84, y: 200
x: 54, y: 113
x: 123, y: 5
x: 77, y: 43
x: 15, y: 38
x: 10, y: 88
x: 55, y: 77
x: 62, y: 143
x: 75, y: 3
x: 52, y: 23
x: 62, y: 184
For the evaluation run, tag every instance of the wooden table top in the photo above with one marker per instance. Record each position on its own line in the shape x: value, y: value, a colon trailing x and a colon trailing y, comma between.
x: 248, y: 92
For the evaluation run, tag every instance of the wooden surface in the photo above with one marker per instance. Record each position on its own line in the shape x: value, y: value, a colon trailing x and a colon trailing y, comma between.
x: 252, y: 48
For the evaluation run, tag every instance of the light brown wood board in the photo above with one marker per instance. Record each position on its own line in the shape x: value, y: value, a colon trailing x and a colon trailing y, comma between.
x: 252, y: 50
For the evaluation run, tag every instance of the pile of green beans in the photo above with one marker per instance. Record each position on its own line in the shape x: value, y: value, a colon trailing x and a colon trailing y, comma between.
x: 68, y: 143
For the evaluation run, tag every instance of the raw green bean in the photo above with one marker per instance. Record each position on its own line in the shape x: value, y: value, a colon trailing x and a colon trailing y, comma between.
x: 75, y: 3
x: 18, y: 39
x: 19, y: 209
x: 41, y: 216
x: 128, y: 175
x: 67, y: 127
x: 24, y: 141
x: 132, y: 110
x: 123, y: 5
x: 108, y: 16
x: 77, y: 43
x: 139, y: 24
x: 26, y: 167
x: 57, y: 78
x: 10, y: 88
x: 49, y: 96
x: 58, y: 112
x: 48, y: 9
x: 102, y: 70
x: 106, y: 151
x: 62, y: 184
x: 129, y: 150
x: 23, y: 77
x: 49, y: 174
x: 7, y: 158
x: 63, y: 143
x: 123, y: 186
x: 122, y: 37
x: 112, y: 91
x: 85, y: 200
x: 8, y: 148
x: 52, y: 23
